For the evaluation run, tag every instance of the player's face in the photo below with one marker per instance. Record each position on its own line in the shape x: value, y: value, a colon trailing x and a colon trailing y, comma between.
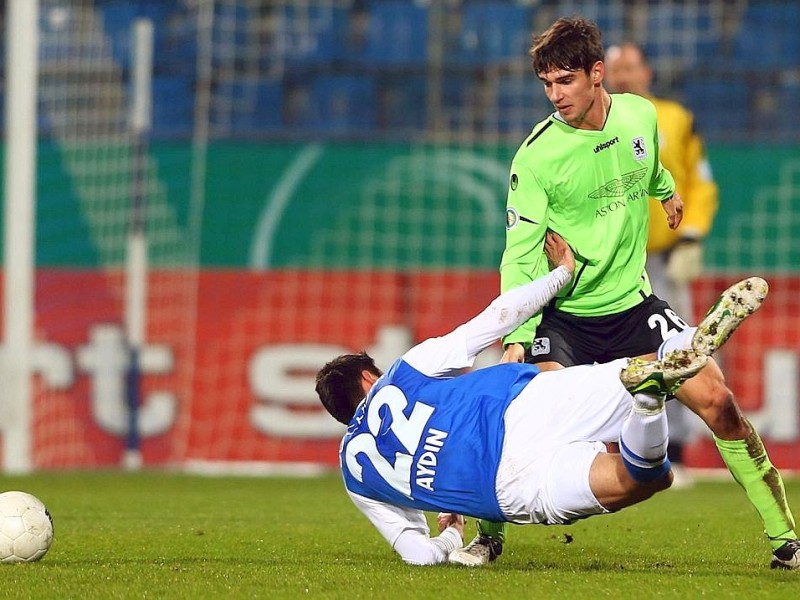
x: 572, y: 93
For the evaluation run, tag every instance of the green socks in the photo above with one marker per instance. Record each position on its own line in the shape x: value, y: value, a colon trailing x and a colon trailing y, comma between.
x: 750, y: 466
x: 496, y: 531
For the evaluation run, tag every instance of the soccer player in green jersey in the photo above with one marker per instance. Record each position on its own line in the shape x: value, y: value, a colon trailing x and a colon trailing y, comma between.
x: 586, y: 172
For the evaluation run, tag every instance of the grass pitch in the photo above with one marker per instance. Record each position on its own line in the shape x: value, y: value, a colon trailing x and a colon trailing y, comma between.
x: 163, y: 535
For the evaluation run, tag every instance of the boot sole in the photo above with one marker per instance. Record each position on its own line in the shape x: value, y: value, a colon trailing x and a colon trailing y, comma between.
x: 734, y: 305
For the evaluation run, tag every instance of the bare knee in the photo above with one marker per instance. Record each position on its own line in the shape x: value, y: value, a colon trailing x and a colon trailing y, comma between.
x: 615, y: 488
x: 638, y: 491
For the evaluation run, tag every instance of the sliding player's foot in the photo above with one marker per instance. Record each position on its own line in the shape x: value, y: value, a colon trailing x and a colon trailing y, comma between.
x: 734, y: 305
x: 480, y: 551
x: 661, y: 377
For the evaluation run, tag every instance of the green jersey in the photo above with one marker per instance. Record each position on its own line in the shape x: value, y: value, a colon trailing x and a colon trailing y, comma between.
x: 592, y: 188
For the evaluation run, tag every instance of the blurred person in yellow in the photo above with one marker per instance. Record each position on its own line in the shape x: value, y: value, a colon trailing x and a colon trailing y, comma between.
x: 674, y: 257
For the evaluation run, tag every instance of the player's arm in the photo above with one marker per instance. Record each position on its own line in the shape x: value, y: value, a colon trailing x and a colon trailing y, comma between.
x: 407, y: 531
x: 458, y: 349
x: 526, y: 225
x: 662, y: 187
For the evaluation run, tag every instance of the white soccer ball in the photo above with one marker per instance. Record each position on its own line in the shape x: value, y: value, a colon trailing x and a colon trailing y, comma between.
x: 26, y: 528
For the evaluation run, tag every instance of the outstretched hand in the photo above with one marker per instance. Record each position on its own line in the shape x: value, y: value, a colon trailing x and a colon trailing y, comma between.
x: 558, y: 252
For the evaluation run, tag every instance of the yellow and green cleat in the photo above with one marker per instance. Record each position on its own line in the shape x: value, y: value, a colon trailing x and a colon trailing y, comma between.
x: 661, y: 377
x: 735, y: 304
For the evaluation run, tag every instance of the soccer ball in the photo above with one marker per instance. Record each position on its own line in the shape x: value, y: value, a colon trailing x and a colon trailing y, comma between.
x: 26, y: 528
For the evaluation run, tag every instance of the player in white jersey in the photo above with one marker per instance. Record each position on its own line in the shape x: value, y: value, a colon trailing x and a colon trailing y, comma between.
x: 506, y: 442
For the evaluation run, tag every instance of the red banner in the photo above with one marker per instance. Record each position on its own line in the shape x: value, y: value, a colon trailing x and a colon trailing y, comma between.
x: 228, y: 367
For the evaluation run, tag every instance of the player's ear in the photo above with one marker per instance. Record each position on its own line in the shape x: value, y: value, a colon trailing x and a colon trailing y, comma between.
x: 368, y: 379
x: 597, y: 72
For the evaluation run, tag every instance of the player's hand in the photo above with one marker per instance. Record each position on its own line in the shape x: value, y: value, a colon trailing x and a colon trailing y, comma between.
x: 445, y: 520
x: 558, y: 252
x: 674, y: 209
x: 514, y: 353
x: 685, y: 262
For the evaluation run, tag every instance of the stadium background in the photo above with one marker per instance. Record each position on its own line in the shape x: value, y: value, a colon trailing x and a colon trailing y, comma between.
x: 330, y: 175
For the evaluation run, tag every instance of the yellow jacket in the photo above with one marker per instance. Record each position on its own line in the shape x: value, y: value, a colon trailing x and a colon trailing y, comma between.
x: 682, y: 153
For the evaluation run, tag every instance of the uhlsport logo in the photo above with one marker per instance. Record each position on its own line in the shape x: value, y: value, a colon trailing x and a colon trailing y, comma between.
x: 604, y: 145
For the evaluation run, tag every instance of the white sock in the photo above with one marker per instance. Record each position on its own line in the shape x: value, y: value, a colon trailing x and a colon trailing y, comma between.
x: 643, y: 440
x: 647, y: 404
x: 680, y: 341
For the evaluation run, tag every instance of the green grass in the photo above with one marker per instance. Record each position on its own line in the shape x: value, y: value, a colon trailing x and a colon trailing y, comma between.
x: 161, y: 535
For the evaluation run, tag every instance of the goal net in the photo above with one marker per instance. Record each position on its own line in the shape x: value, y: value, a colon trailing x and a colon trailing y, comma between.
x: 326, y: 176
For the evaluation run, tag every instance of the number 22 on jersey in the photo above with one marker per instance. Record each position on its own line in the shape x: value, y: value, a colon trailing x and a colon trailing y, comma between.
x: 408, y: 431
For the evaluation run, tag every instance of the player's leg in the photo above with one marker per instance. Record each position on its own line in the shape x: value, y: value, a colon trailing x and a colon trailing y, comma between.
x: 561, y: 340
x: 643, y: 452
x: 738, y: 443
x: 576, y: 479
x: 584, y: 403
x: 642, y: 468
x: 583, y: 481
x: 615, y: 488
x: 744, y: 454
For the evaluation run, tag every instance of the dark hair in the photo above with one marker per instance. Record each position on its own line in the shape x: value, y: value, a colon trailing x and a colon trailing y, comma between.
x: 339, y: 384
x: 571, y: 43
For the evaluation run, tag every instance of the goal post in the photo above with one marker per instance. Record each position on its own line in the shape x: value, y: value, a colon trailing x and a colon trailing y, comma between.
x: 19, y: 194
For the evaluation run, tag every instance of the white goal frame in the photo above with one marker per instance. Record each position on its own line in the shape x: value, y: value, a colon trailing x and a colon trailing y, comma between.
x: 22, y: 44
